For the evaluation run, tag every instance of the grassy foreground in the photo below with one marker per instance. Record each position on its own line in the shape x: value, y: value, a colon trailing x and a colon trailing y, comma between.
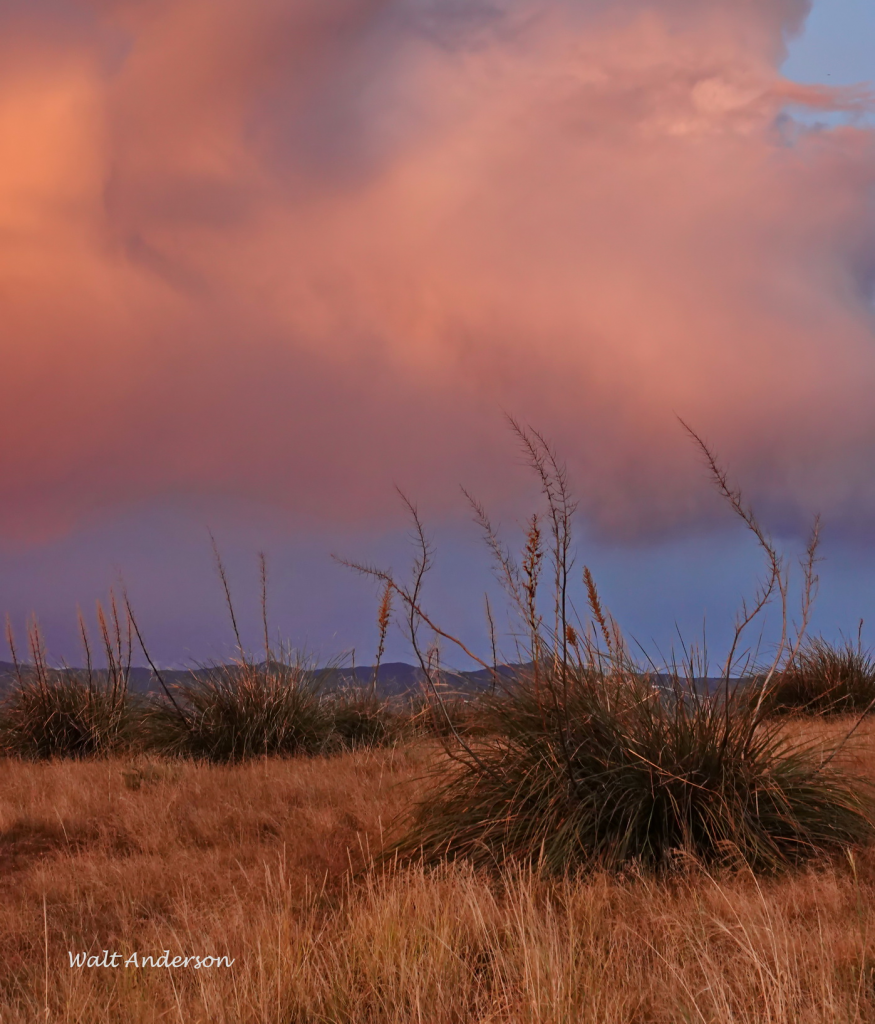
x: 254, y: 861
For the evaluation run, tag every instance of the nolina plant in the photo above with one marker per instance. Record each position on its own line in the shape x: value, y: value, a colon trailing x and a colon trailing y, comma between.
x: 71, y: 712
x: 825, y: 678
x: 277, y: 706
x: 245, y: 709
x: 590, y: 760
x: 360, y: 717
x: 242, y: 710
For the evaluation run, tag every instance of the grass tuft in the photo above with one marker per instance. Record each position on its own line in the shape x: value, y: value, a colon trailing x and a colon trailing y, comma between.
x: 826, y: 679
x: 65, y: 714
x: 50, y: 713
x: 586, y: 761
x: 230, y: 713
x: 361, y: 719
x: 608, y: 771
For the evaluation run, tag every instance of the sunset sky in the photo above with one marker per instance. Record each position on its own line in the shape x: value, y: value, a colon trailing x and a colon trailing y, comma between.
x: 262, y: 262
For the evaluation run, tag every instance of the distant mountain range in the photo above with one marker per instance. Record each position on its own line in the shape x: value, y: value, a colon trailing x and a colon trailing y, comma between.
x: 397, y: 678
x: 394, y: 679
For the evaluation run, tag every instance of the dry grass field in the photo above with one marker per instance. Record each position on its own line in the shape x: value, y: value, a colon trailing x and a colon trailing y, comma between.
x: 267, y: 864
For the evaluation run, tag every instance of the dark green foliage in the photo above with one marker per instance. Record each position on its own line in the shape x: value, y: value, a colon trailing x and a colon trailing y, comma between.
x: 826, y: 679
x: 233, y: 712
x: 592, y: 769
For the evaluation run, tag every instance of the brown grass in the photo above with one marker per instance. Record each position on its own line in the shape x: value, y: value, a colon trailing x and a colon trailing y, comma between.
x: 253, y: 862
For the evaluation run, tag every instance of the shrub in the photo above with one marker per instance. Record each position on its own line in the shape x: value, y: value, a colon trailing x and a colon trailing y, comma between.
x: 233, y: 712
x: 587, y: 762
x: 361, y: 719
x: 72, y: 713
x: 593, y: 770
x: 65, y: 714
x: 826, y: 679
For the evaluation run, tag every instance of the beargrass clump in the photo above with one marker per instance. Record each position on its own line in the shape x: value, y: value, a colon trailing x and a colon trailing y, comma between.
x: 584, y: 760
x: 65, y: 714
x: 824, y: 678
x: 360, y: 718
x: 50, y: 712
x: 590, y: 769
x: 230, y: 713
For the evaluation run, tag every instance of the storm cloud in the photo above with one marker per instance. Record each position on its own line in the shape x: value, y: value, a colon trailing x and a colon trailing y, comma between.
x: 293, y: 253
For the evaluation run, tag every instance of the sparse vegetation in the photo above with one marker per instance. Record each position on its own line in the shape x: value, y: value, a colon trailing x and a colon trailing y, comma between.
x: 581, y: 841
x: 361, y: 719
x: 63, y: 714
x: 253, y: 861
x: 279, y: 707
x: 446, y: 714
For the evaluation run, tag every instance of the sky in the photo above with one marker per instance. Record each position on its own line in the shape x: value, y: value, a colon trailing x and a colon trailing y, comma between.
x: 263, y: 264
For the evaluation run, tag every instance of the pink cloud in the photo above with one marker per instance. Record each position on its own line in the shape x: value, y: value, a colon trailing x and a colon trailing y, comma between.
x: 299, y: 253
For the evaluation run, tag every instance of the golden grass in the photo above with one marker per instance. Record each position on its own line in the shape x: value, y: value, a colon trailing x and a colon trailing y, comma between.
x: 253, y: 862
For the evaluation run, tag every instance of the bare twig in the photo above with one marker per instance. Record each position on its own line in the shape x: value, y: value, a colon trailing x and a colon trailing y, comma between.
x: 152, y: 664
x: 10, y: 640
x: 404, y: 593
x: 223, y: 577
x: 83, y: 632
x: 776, y: 581
x: 411, y: 597
x: 505, y: 567
x: 38, y: 653
x: 775, y: 578
x: 262, y: 566
x: 554, y: 485
x: 492, y: 642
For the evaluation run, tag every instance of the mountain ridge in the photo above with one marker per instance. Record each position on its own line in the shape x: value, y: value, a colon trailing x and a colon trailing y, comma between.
x: 395, y: 678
